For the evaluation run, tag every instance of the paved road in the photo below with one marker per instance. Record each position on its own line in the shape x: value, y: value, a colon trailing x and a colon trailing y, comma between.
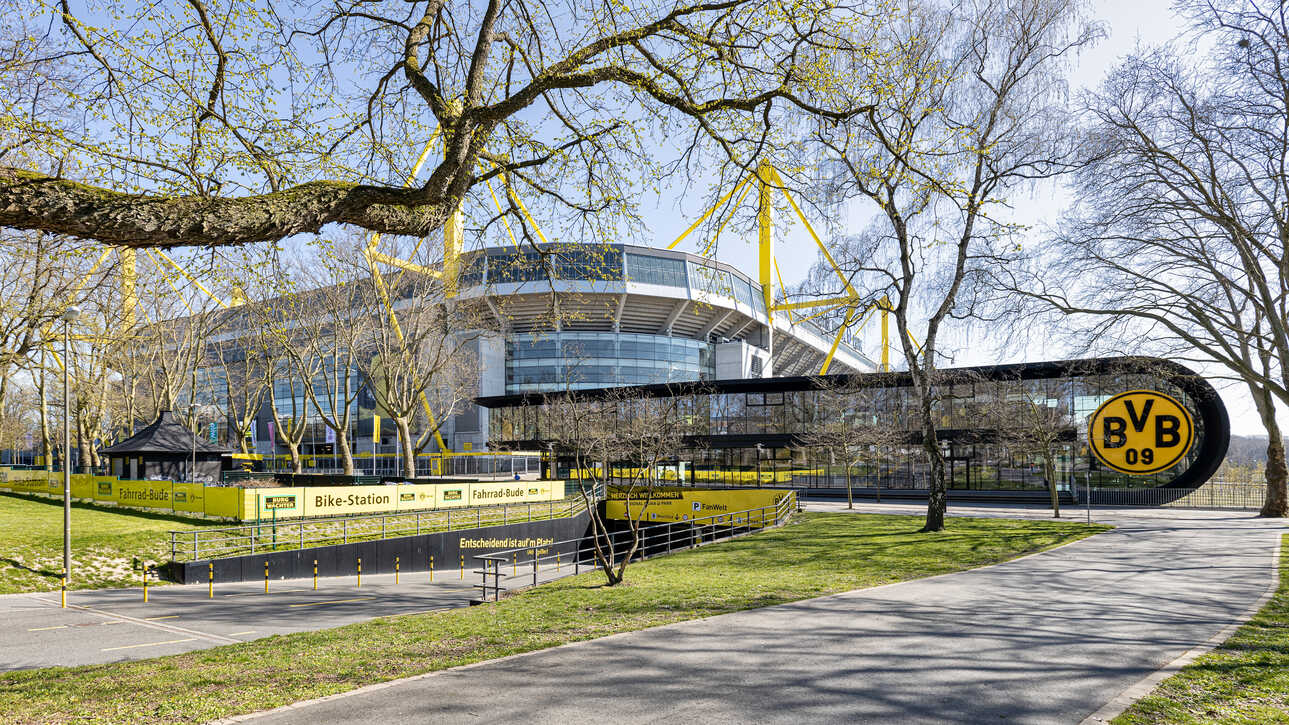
x: 113, y: 625
x: 1045, y: 639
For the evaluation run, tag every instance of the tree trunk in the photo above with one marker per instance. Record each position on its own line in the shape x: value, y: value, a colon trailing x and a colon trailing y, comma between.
x: 1050, y: 469
x: 850, y: 498
x: 45, y: 443
x: 938, y: 497
x: 1275, y: 504
x: 405, y: 443
x: 346, y: 454
x: 293, y: 450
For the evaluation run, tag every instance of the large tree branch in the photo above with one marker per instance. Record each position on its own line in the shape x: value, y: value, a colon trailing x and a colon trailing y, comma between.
x: 34, y: 201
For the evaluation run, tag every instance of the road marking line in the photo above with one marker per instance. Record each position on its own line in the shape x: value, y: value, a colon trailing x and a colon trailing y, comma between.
x: 238, y: 634
x: 149, y: 644
x: 43, y: 629
x: 333, y: 601
x: 168, y: 616
x: 275, y: 591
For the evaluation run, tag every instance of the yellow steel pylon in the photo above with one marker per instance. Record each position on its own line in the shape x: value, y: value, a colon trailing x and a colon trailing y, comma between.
x: 768, y: 180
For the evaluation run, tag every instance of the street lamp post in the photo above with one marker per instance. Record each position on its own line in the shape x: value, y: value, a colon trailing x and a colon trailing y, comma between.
x: 69, y: 316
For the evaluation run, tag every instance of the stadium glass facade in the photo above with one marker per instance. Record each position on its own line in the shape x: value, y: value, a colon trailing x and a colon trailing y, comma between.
x: 739, y: 432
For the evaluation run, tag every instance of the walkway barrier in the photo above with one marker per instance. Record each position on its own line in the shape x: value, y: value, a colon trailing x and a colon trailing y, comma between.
x: 1211, y: 495
x: 523, y: 567
x: 291, y: 534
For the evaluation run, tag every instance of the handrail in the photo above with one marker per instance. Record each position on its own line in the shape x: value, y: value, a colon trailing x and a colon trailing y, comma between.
x: 735, y: 524
x: 290, y: 534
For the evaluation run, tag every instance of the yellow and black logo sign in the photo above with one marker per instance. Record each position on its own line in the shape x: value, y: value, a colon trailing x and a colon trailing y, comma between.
x: 279, y: 502
x: 1141, y: 432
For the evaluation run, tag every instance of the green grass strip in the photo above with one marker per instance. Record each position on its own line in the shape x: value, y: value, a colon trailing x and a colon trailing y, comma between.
x: 1244, y: 680
x: 816, y: 554
x: 105, y: 544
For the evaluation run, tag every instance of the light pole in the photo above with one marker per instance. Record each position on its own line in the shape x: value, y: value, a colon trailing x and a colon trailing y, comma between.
x: 69, y: 316
x: 192, y: 469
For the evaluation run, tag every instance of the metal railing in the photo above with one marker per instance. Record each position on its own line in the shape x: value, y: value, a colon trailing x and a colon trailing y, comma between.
x: 554, y: 560
x: 1211, y: 495
x: 290, y: 534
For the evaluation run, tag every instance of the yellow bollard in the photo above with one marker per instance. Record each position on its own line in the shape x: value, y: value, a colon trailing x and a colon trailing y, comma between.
x: 360, y: 571
x: 210, y: 580
x: 556, y: 562
x: 145, y: 585
x: 431, y: 569
x: 396, y: 570
x: 514, y: 563
x: 64, y: 588
x: 315, y: 575
x: 463, y: 566
x: 266, y: 577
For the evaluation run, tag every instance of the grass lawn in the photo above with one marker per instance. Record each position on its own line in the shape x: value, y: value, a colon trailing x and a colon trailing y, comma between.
x: 818, y: 553
x: 104, y: 544
x: 1245, y: 680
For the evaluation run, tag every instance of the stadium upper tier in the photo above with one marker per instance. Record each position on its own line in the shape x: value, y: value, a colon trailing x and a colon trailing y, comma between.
x: 624, y: 289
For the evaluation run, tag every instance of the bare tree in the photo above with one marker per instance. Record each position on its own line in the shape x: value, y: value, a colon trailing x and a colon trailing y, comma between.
x: 1028, y: 419
x: 617, y: 440
x: 850, y: 429
x: 976, y: 110
x: 1177, y: 239
x: 421, y: 363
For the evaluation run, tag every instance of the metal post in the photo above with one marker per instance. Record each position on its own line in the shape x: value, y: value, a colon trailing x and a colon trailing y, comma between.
x: 195, y: 546
x: 534, y: 567
x: 360, y: 571
x: 315, y: 575
x: 1087, y: 491
x: 396, y: 570
x: 344, y: 530
x: 300, y: 524
x: 266, y: 577
x: 418, y: 523
x: 67, y: 442
x: 210, y: 580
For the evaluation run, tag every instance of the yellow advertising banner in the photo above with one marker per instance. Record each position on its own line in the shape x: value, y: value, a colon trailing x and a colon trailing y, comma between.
x: 147, y: 494
x: 188, y: 497
x: 678, y: 503
x: 223, y: 501
x: 105, y: 490
x: 484, y: 494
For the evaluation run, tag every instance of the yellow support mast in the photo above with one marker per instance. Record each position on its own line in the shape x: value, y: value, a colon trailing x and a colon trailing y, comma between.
x: 765, y: 249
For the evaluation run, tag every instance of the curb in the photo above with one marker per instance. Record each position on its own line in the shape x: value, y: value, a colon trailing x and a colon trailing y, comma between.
x: 1147, y: 684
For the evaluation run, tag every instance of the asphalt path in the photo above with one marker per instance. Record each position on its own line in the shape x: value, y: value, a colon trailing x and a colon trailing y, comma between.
x: 113, y: 625
x: 1049, y: 638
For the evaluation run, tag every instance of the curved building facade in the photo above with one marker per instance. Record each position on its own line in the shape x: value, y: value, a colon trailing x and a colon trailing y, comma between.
x: 743, y: 431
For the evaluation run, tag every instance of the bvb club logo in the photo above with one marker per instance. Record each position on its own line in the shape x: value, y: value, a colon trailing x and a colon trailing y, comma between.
x: 1140, y: 432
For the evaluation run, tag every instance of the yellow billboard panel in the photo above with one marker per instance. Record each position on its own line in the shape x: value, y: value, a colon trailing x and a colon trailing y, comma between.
x: 104, y: 490
x: 415, y: 496
x: 332, y: 500
x: 144, y: 494
x: 485, y: 494
x: 676, y: 503
x: 451, y: 495
x: 189, y: 497
x: 223, y: 501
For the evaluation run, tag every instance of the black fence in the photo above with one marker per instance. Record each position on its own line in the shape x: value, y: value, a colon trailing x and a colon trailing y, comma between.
x: 449, y: 549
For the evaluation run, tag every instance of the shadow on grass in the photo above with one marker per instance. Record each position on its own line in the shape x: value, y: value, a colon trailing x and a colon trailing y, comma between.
x: 48, y: 574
